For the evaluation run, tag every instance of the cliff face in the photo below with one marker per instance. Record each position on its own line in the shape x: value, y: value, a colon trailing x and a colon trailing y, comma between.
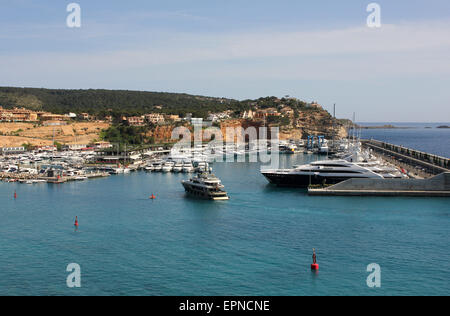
x: 161, y: 134
x: 308, y: 123
x: 296, y: 120
x: 311, y: 130
x: 316, y: 123
x: 240, y: 127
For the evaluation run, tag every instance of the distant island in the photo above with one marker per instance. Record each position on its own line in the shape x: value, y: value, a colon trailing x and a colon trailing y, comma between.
x: 387, y: 126
x: 443, y: 126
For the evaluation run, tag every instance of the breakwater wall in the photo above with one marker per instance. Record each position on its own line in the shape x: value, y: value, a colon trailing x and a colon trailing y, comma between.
x: 438, y: 186
x: 423, y: 163
x: 25, y: 176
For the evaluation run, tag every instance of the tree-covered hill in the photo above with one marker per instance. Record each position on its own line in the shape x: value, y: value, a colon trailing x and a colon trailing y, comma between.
x: 124, y: 102
x: 98, y: 101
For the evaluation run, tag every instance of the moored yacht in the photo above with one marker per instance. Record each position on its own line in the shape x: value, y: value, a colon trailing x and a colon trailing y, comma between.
x: 117, y: 171
x: 168, y: 167
x: 188, y: 167
x: 157, y: 167
x: 329, y: 172
x: 201, y: 166
x: 324, y: 149
x: 149, y: 168
x: 178, y: 167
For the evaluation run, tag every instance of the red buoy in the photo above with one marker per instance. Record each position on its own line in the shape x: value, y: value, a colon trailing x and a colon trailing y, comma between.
x: 153, y: 197
x: 15, y: 195
x: 315, y: 265
x: 76, y: 221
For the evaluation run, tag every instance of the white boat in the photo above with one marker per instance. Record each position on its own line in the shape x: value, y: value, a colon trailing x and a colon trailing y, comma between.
x: 202, y: 166
x: 324, y: 149
x: 149, y: 168
x: 157, y: 167
x: 178, y: 167
x: 117, y: 171
x: 168, y: 167
x: 188, y: 168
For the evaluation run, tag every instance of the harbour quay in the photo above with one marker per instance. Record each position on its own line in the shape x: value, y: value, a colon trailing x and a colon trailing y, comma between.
x: 429, y: 175
x: 417, y: 163
x: 438, y: 186
x: 27, y: 178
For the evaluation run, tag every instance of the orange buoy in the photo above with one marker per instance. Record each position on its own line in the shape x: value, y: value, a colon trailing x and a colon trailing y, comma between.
x: 153, y: 197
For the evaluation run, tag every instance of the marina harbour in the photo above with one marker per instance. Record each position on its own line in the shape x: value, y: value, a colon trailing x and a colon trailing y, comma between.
x: 342, y: 161
x: 141, y: 231
x: 259, y: 241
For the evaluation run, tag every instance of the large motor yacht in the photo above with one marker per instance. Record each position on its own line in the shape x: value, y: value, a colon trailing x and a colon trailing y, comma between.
x: 329, y: 172
x: 205, y: 186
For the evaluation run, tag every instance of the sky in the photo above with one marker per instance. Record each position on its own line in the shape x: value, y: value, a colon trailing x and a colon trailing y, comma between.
x: 314, y: 50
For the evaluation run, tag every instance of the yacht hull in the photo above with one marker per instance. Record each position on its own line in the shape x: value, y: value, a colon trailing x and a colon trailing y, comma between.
x: 195, y: 192
x: 302, y: 181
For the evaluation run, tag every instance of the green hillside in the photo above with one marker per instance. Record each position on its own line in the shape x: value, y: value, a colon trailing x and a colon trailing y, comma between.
x: 102, y: 101
x: 124, y: 102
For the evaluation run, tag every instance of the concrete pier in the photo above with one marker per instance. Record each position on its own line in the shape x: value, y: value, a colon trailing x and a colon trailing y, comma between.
x: 417, y: 162
x: 438, y: 186
x: 56, y: 180
x: 63, y: 179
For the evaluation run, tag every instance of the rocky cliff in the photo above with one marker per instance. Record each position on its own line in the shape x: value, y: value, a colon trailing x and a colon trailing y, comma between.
x: 309, y: 123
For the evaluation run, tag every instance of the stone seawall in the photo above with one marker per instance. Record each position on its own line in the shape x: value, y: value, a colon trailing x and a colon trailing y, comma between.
x: 436, y: 186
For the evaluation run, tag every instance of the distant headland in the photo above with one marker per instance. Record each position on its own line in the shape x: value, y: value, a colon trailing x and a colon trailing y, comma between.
x: 387, y: 126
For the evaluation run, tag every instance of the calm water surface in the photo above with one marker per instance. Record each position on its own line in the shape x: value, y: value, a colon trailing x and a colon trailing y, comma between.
x: 420, y: 136
x: 258, y: 243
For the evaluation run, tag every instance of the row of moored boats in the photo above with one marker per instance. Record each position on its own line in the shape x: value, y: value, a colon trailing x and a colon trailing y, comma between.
x: 167, y: 166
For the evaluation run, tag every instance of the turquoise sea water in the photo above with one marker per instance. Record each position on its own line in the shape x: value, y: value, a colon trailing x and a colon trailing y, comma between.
x: 258, y: 243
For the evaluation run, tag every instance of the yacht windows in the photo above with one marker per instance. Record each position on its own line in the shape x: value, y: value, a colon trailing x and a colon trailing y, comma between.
x: 333, y: 165
x: 333, y: 171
